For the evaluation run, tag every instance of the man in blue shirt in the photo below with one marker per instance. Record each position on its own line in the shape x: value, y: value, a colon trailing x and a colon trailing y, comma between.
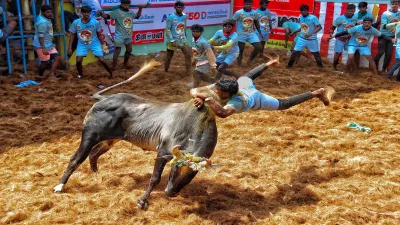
x: 89, y: 36
x: 308, y: 36
x: 175, y: 36
x: 265, y: 21
x: 43, y: 41
x: 342, y: 23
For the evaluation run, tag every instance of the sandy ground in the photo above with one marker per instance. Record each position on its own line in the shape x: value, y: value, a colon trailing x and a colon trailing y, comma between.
x: 299, y: 166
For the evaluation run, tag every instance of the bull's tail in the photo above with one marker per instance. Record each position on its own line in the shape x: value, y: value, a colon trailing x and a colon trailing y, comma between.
x: 146, y: 67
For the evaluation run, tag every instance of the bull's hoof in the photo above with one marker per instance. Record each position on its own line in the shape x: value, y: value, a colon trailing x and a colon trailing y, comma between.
x: 58, y: 188
x: 143, y: 204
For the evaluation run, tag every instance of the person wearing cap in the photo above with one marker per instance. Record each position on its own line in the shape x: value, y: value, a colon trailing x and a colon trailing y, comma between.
x: 87, y: 29
x: 386, y: 46
x: 360, y: 36
x: 342, y: 23
x: 265, y: 21
x: 310, y: 26
x: 246, y: 19
x: 226, y: 41
x: 123, y: 29
x: 43, y: 41
x: 175, y: 37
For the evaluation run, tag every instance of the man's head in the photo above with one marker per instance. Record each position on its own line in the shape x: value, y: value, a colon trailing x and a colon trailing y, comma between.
x: 363, y: 6
x: 179, y: 6
x: 264, y: 4
x: 247, y: 5
x: 228, y: 25
x: 226, y: 88
x: 197, y: 30
x: 350, y: 10
x: 86, y: 10
x: 125, y: 4
x: 47, y: 11
x: 367, y: 23
x: 394, y: 5
x: 304, y: 10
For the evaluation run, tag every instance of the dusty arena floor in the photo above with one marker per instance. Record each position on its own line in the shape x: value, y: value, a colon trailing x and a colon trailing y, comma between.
x: 299, y: 166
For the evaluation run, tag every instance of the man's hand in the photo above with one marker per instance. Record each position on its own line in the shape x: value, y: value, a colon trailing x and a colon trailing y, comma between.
x: 142, y: 6
x: 202, y: 95
x: 329, y: 39
x: 307, y: 35
x: 198, y: 102
x: 99, y: 12
x: 291, y: 34
x: 45, y: 51
x: 394, y: 40
x: 261, y: 36
x: 285, y: 45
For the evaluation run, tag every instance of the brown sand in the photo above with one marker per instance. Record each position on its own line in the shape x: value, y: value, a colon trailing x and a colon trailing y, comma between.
x: 299, y: 166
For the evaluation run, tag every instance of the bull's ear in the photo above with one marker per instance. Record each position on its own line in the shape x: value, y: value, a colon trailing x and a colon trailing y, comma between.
x: 177, y: 152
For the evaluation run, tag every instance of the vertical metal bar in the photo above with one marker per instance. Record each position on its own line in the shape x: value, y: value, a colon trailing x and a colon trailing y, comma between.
x: 63, y: 29
x: 21, y: 30
x: 9, y: 65
x: 47, y: 2
x: 34, y: 11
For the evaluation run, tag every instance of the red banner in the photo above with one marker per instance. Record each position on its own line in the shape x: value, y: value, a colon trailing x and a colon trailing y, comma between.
x: 149, y: 36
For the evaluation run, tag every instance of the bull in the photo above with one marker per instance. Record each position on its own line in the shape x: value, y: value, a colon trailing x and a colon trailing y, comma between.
x: 150, y: 125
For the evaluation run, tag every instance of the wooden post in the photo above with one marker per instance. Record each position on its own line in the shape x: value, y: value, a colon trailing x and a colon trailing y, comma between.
x: 28, y: 27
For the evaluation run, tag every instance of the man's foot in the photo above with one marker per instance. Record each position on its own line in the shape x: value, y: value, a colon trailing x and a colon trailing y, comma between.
x: 325, y: 95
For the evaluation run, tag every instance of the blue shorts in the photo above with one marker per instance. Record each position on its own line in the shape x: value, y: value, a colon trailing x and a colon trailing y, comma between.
x: 121, y: 41
x: 95, y: 47
x: 265, y: 34
x: 364, y: 50
x: 311, y: 45
x: 227, y: 58
x: 340, y: 46
x: 250, y: 37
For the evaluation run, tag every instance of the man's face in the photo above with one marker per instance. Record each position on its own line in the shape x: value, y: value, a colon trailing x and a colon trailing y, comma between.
x: 367, y: 25
x: 394, y: 6
x: 248, y: 5
x: 304, y: 12
x: 264, y: 5
x: 196, y: 33
x: 350, y: 13
x: 228, y: 28
x: 48, y: 14
x: 362, y: 9
x: 125, y: 6
x: 86, y: 15
x: 179, y: 9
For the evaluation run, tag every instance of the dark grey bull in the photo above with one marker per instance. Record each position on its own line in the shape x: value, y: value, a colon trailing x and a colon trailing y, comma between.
x: 147, y: 124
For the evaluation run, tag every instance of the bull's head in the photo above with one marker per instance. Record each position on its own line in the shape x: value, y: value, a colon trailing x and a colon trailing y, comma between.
x: 184, y: 168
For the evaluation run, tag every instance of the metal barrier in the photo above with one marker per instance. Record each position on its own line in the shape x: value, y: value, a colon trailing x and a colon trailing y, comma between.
x: 22, y: 33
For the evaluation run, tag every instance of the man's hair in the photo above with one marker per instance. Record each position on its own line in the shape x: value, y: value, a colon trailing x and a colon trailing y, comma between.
x: 86, y: 9
x: 362, y: 4
x: 126, y: 2
x: 229, y: 22
x: 394, y: 1
x: 197, y: 27
x: 44, y: 8
x: 179, y: 3
x: 304, y: 7
x: 264, y: 1
x: 248, y: 1
x: 368, y: 19
x: 351, y: 6
x: 228, y: 85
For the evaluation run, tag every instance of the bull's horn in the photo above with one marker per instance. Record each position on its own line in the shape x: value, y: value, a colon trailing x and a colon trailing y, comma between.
x: 177, y: 152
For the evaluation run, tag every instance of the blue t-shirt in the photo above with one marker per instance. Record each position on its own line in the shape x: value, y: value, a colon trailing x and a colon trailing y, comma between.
x: 342, y: 23
x: 176, y: 27
x: 87, y: 32
x: 360, y: 37
x: 245, y: 21
x: 360, y: 17
x: 308, y: 25
x: 264, y: 17
x: 389, y: 17
x: 221, y: 39
x: 292, y: 26
x: 44, y: 29
x: 199, y: 49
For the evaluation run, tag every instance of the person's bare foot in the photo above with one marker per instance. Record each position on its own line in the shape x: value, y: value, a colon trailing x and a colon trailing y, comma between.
x: 325, y: 95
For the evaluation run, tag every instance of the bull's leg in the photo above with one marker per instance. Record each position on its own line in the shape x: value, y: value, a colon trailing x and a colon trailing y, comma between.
x: 154, y: 181
x: 99, y: 150
x: 87, y: 143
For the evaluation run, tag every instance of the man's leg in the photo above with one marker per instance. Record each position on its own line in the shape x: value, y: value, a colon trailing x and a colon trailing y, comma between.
x: 128, y: 53
x: 222, y: 69
x: 56, y: 63
x: 312, y: 45
x: 317, y: 58
x: 357, y: 58
x: 294, y: 57
x: 262, y: 48
x: 42, y: 67
x: 167, y: 60
x: 371, y: 64
x: 196, y: 79
x: 299, y: 46
x: 241, y: 50
x: 117, y: 51
x: 351, y: 67
x: 388, y: 55
x: 339, y: 46
x: 256, y: 72
x: 188, y: 59
x: 324, y: 94
x: 103, y: 62
x: 79, y: 67
x: 394, y: 67
x: 256, y: 50
x: 381, y: 50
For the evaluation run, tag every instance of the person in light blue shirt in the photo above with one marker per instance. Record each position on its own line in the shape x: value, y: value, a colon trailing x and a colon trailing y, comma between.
x: 384, y: 46
x: 396, y: 65
x: 175, y: 37
x: 226, y: 41
x: 360, y: 36
x: 229, y: 96
x: 87, y: 29
x: 265, y: 21
x: 308, y: 36
x: 342, y: 23
x: 43, y: 41
x: 246, y: 19
x: 290, y: 30
x: 363, y: 13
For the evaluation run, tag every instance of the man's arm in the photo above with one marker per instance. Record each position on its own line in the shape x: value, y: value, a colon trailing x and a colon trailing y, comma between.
x: 104, y: 15
x: 168, y: 27
x: 257, y: 24
x: 332, y: 30
x: 287, y: 31
x: 220, y: 111
x: 316, y: 30
x: 139, y: 12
